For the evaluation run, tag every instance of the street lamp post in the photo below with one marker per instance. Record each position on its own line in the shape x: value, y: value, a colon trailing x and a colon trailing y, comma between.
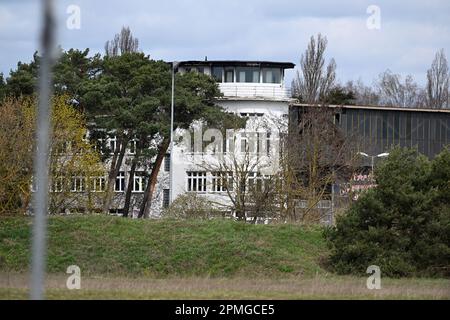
x: 381, y: 155
x: 172, y: 111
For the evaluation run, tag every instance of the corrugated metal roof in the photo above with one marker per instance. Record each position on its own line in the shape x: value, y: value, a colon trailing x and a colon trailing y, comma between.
x: 371, y: 107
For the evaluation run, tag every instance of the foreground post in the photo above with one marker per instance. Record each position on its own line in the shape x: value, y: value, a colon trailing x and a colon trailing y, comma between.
x: 40, y: 203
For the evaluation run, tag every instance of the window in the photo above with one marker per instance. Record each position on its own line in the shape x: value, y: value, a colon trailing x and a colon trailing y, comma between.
x: 229, y: 75
x: 120, y: 182
x: 132, y: 148
x: 251, y: 114
x: 267, y: 142
x: 252, y: 142
x: 112, y: 144
x: 98, y: 184
x: 58, y: 184
x: 166, y: 195
x: 196, y: 181
x: 139, y: 182
x: 78, y: 184
x: 337, y: 119
x: 256, y: 181
x: 247, y: 75
x: 244, y: 143
x: 222, y: 181
x: 167, y: 163
x: 217, y: 73
x: 272, y: 75
x: 99, y: 145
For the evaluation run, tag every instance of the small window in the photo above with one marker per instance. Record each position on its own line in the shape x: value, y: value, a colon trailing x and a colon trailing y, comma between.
x: 58, y: 184
x: 132, y: 148
x: 120, y: 182
x: 264, y: 142
x: 78, y: 184
x: 139, y: 182
x: 337, y: 119
x: 166, y: 196
x: 272, y: 75
x: 98, y: 184
x: 217, y: 73
x: 112, y: 144
x: 167, y: 163
x: 229, y: 75
x: 222, y: 181
x: 247, y: 75
x: 244, y: 143
x: 196, y: 181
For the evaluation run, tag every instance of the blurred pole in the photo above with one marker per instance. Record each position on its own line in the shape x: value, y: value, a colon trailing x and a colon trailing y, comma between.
x: 172, y: 115
x: 41, y: 161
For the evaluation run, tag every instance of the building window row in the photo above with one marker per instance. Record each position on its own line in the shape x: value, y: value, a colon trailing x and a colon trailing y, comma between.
x: 78, y: 184
x: 223, y: 181
x: 111, y: 144
x: 96, y: 184
x: 247, y: 74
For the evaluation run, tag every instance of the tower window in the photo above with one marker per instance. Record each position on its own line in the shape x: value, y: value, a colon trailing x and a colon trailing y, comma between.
x: 229, y: 75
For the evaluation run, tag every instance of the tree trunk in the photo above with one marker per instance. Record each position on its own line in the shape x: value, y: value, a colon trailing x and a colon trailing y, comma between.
x: 126, y: 207
x: 116, y: 163
x: 139, y: 146
x: 151, y: 183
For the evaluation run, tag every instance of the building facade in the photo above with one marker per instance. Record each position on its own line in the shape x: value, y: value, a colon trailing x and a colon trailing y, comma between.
x: 378, y: 129
x: 252, y: 89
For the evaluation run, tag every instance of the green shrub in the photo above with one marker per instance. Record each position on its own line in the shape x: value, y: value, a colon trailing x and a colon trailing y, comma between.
x: 402, y: 225
x: 190, y: 206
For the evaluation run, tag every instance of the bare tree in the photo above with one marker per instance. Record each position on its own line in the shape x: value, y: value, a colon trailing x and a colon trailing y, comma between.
x: 316, y: 154
x: 364, y: 95
x: 438, y: 82
x: 123, y: 42
x: 395, y: 92
x: 243, y: 177
x: 315, y: 80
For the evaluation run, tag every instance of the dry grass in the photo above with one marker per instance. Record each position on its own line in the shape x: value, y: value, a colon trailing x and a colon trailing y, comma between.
x: 14, y: 286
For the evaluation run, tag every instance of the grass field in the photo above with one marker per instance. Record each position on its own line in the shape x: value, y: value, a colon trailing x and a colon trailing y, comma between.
x: 123, y: 247
x: 130, y: 259
x: 14, y: 286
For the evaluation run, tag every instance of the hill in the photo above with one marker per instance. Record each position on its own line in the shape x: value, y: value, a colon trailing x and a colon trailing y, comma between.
x: 102, y: 245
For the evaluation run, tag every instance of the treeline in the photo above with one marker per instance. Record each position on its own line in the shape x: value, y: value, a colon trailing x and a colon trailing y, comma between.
x: 316, y: 82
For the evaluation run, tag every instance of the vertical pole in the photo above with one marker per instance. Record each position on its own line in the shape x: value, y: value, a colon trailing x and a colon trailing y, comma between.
x: 372, y: 166
x: 171, y: 135
x: 332, y: 203
x: 41, y: 170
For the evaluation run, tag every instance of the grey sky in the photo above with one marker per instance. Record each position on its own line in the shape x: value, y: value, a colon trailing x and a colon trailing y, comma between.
x: 411, y: 31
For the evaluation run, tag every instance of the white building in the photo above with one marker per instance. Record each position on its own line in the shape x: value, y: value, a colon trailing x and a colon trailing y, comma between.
x: 254, y: 89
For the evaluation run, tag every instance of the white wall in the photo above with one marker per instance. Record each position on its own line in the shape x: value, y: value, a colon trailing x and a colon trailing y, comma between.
x: 185, y: 161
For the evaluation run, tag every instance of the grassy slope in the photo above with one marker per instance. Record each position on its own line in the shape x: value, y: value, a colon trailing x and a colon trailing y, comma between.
x: 116, y: 246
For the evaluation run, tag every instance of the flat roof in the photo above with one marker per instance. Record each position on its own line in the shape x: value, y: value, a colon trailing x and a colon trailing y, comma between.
x: 239, y: 63
x: 371, y: 107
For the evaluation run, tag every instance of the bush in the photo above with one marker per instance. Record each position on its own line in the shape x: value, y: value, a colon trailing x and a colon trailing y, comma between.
x: 190, y: 206
x: 402, y: 225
